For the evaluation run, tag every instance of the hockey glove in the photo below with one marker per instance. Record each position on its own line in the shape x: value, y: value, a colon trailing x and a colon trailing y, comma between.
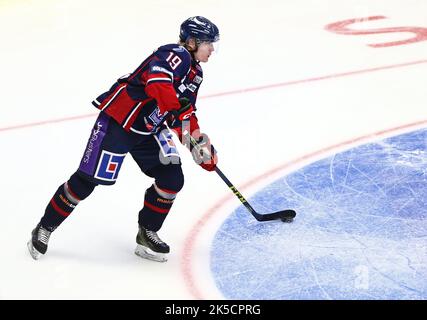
x: 204, y: 154
x: 185, y: 111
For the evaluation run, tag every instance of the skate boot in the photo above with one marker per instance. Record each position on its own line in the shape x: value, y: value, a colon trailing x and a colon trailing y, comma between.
x: 37, y: 245
x: 150, y: 246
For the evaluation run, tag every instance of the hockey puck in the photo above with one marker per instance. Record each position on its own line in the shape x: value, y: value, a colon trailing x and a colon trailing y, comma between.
x: 287, y: 220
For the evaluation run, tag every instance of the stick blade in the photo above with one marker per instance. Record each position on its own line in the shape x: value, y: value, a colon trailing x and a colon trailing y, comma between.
x: 284, y: 215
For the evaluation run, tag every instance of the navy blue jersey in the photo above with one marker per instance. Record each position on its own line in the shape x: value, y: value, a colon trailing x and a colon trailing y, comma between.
x: 167, y: 74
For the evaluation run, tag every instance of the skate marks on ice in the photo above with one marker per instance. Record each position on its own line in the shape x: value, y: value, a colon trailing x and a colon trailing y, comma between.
x: 361, y: 232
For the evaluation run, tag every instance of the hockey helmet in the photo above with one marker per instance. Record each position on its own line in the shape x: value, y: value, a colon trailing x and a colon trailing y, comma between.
x: 199, y: 28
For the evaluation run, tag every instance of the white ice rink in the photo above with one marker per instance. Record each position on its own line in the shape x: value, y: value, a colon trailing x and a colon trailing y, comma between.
x: 281, y: 92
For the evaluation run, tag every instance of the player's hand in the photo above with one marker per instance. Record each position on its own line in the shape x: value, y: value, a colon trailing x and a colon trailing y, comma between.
x: 204, y: 153
x: 185, y: 111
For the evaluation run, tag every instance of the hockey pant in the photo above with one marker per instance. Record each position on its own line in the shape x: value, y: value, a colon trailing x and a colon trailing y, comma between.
x: 107, y: 147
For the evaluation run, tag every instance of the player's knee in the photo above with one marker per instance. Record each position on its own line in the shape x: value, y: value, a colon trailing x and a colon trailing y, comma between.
x: 80, y: 187
x: 177, y: 182
x: 170, y: 179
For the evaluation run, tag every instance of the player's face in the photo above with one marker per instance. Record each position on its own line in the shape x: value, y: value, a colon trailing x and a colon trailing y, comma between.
x: 204, y: 51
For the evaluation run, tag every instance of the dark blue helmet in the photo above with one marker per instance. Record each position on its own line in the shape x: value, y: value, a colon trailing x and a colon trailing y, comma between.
x: 199, y: 28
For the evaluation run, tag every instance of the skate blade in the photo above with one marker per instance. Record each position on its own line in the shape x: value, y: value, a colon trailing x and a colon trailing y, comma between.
x: 33, y: 251
x: 149, y: 254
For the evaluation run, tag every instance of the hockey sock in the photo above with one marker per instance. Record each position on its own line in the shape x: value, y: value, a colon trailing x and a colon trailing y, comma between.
x: 157, y: 204
x: 64, y: 201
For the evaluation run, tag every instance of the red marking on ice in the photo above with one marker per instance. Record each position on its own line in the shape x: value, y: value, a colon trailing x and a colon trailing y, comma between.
x: 201, y: 223
x: 327, y: 77
x: 44, y: 122
x: 187, y: 253
x: 341, y: 27
x: 240, y: 91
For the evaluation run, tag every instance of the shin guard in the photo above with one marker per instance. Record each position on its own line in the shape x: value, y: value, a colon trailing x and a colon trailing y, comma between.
x: 157, y: 204
x: 64, y: 201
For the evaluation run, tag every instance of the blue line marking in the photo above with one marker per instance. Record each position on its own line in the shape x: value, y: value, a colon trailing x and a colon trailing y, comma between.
x: 360, y: 230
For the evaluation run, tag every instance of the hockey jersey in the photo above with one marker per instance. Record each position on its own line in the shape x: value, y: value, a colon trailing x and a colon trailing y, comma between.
x: 166, y: 75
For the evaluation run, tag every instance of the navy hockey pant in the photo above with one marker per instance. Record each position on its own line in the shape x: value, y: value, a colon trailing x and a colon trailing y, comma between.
x: 106, y: 149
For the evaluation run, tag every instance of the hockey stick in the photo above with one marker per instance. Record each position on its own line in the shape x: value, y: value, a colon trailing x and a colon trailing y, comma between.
x: 284, y: 215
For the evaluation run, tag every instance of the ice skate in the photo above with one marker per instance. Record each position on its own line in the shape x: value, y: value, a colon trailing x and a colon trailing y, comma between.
x: 150, y: 246
x: 37, y: 245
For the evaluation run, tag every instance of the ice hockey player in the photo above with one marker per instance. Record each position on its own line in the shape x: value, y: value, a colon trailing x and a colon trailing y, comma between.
x: 132, y: 119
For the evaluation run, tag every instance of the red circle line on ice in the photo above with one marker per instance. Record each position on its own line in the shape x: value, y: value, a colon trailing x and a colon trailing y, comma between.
x: 190, y: 240
x: 186, y: 258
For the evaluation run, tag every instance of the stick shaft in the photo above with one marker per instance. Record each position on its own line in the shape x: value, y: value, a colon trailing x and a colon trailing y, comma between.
x: 259, y: 217
x: 236, y: 192
x: 227, y: 182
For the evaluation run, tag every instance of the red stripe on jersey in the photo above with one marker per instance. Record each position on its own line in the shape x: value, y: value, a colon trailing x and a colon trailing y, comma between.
x: 134, y: 114
x: 160, y: 76
x: 108, y: 100
x: 156, y: 209
x: 58, y: 209
x: 122, y: 105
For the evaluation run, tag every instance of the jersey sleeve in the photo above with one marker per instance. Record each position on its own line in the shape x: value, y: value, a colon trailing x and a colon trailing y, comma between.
x: 170, y: 65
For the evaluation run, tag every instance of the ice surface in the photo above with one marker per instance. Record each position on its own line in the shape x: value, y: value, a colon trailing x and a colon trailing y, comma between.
x: 262, y: 106
x: 360, y: 231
